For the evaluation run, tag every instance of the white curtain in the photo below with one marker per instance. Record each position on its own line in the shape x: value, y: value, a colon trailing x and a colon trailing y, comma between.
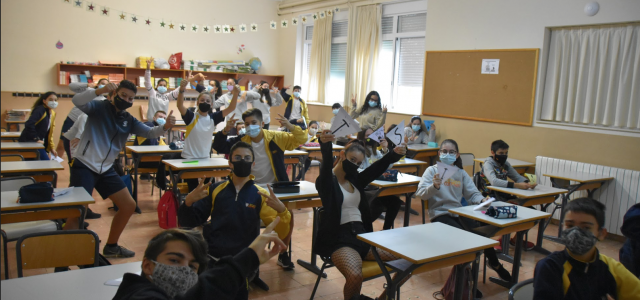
x: 593, y: 76
x: 364, y: 38
x: 320, y: 59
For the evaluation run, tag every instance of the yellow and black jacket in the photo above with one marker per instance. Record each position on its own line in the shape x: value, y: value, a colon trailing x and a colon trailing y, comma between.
x: 560, y: 276
x: 235, y: 217
x: 37, y: 127
x: 288, y: 99
x: 275, y: 141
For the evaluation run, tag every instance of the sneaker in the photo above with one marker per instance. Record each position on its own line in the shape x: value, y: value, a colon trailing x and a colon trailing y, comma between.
x: 145, y: 176
x: 527, y: 245
x: 502, y: 272
x: 116, y: 252
x: 479, y: 294
x: 285, y: 261
x: 91, y: 215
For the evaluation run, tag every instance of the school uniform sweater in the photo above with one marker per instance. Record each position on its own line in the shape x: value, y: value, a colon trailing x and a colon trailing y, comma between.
x: 331, y: 196
x: 289, y: 100
x: 560, y: 276
x: 157, y: 101
x: 39, y: 127
x: 222, y: 281
x: 235, y: 216
x: 263, y: 106
x: 450, y: 193
x: 106, y: 131
x: 275, y: 141
x: 141, y: 141
x: 423, y: 137
x: 497, y: 175
x: 79, y: 87
x: 373, y: 118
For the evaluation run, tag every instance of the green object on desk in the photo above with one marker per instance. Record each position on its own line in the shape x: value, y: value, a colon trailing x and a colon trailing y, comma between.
x: 193, y: 162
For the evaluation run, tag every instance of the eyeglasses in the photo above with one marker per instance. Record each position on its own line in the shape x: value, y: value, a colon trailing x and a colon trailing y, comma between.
x: 452, y: 152
x: 247, y: 158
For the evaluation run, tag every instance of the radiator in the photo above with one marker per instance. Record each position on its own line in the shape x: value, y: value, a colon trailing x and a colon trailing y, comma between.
x: 618, y: 195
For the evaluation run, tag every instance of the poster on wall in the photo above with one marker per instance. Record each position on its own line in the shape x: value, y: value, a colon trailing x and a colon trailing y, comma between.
x: 490, y: 66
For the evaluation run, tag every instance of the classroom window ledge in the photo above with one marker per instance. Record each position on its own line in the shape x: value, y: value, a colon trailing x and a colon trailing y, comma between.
x: 588, y: 128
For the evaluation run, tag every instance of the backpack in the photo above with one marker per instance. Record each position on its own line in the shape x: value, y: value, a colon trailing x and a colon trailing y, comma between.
x: 481, y: 183
x: 447, y: 291
x: 168, y: 211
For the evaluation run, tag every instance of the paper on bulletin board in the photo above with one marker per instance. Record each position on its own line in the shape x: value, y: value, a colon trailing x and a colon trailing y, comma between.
x: 490, y: 66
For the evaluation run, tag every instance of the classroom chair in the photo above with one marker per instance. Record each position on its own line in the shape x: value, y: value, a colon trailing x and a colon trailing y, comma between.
x: 2, y: 129
x: 523, y: 290
x: 12, y: 232
x: 57, y: 249
x: 11, y: 157
x: 467, y: 160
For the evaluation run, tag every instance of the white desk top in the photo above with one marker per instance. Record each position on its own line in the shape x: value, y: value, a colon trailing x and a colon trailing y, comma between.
x: 416, y: 243
x: 403, y: 179
x: 335, y: 147
x: 421, y: 147
x: 409, y: 162
x: 152, y: 149
x: 578, y: 176
x: 75, y: 284
x: 307, y: 190
x: 525, y: 214
x: 30, y: 166
x: 203, y: 163
x: 21, y: 146
x: 76, y: 196
x: 10, y: 134
x: 539, y: 191
x: 180, y: 123
x: 295, y: 152
x: 514, y: 162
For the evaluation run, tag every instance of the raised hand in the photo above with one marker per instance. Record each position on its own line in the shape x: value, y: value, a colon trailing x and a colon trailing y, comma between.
x: 286, y: 87
x: 437, y: 181
x: 184, y: 83
x: 236, y: 90
x: 384, y: 109
x: 199, y: 192
x: 273, y: 201
x: 284, y: 122
x: 433, y: 126
x: 171, y: 121
x: 231, y: 123
x: 259, y: 245
x: 149, y: 62
x: 354, y: 103
x: 200, y: 78
x: 401, y: 149
x: 107, y: 89
x: 275, y: 90
x: 327, y: 137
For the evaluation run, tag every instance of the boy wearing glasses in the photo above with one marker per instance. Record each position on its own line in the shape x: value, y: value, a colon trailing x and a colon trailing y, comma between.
x: 235, y: 206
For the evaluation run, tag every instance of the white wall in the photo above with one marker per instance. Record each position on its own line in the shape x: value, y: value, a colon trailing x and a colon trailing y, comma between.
x: 31, y: 28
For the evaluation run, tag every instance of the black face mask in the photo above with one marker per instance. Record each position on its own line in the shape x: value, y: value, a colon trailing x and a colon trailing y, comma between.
x: 349, y: 168
x: 371, y: 142
x: 242, y: 168
x: 204, y: 107
x: 120, y: 103
x: 501, y: 159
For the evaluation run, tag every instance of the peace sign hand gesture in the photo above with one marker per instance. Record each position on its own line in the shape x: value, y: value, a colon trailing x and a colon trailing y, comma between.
x: 354, y: 103
x: 200, y: 192
x: 273, y: 201
x: 231, y: 123
x: 149, y: 62
x: 384, y: 109
x: 268, y: 235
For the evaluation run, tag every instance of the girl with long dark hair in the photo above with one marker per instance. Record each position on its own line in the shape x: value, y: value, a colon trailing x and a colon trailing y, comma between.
x: 371, y: 113
x: 40, y: 125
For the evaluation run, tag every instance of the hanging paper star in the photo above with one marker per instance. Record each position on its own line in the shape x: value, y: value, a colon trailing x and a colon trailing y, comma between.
x: 122, y: 16
x: 243, y: 27
x: 105, y: 11
x: 78, y: 3
x: 285, y: 24
x: 322, y: 15
x: 217, y: 29
x: 148, y: 21
x: 232, y: 29
x: 225, y: 29
x: 134, y: 19
x: 315, y: 16
x: 294, y: 21
x: 162, y: 23
x: 329, y: 13
x: 254, y: 27
x: 91, y: 7
x: 337, y: 9
x: 67, y: 1
x: 206, y: 28
x: 194, y: 27
x: 183, y: 27
x: 273, y: 25
x: 171, y: 25
x: 304, y: 19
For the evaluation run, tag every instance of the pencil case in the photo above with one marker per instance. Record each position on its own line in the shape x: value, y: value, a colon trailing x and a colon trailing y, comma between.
x: 502, y: 212
x: 286, y: 187
x: 37, y: 192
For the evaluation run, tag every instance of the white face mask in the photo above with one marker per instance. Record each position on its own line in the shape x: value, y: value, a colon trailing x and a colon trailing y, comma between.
x: 52, y: 104
x: 313, y: 131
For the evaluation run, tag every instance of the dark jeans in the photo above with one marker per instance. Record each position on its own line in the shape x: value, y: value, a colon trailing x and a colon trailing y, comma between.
x: 43, y: 154
x: 490, y: 253
x: 389, y: 203
x: 65, y: 142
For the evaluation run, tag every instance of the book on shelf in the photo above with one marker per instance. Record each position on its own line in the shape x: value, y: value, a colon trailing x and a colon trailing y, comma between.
x: 97, y: 78
x: 83, y: 78
x: 74, y: 78
x: 88, y: 76
x: 63, y: 78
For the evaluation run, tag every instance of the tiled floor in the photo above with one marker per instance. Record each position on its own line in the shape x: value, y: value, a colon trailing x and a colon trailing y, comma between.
x: 296, y: 284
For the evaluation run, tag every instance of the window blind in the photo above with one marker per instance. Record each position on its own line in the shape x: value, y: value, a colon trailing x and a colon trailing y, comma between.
x: 339, y: 29
x: 384, y: 70
x: 335, y: 90
x: 412, y: 23
x: 387, y: 25
x: 309, y: 33
x: 410, y: 73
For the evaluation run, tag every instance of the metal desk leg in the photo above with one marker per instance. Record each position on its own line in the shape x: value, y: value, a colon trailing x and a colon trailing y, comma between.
x: 391, y: 286
x: 136, y: 161
x: 311, y: 266
x: 542, y: 225
x: 407, y: 212
x: 475, y: 269
x: 516, y: 265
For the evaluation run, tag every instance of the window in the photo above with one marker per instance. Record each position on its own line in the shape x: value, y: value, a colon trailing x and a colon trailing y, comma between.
x: 399, y: 70
x: 591, y: 81
x: 306, y: 52
x: 337, y: 73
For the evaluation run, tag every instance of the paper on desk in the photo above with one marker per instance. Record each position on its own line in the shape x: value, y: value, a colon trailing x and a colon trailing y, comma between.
x: 117, y: 281
x: 57, y: 158
x: 60, y: 192
x: 446, y: 171
x: 484, y: 204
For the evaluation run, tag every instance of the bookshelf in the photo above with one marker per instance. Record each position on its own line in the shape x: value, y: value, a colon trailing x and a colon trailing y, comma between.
x: 133, y: 74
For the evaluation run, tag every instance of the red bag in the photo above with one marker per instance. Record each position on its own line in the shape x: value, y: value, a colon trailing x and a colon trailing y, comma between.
x: 175, y: 60
x: 168, y: 211
x: 446, y: 293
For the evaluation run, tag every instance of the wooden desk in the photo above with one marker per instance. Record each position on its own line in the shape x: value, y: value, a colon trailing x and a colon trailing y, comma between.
x: 406, y: 185
x: 408, y: 164
x: 520, y: 165
x: 70, y: 205
x: 583, y: 182
x: 424, y: 153
x: 542, y: 195
x: 146, y: 153
x: 31, y: 168
x: 207, y: 167
x: 75, y: 284
x: 14, y: 122
x: 415, y: 245
x: 10, y: 136
x: 26, y: 149
x: 315, y: 151
x: 296, y: 158
x: 498, y: 227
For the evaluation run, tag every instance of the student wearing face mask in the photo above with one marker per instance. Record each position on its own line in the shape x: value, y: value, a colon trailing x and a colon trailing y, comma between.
x: 243, y: 98
x: 346, y: 210
x: 214, y: 89
x: 175, y: 266
x: 580, y: 271
x: 418, y: 133
x: 41, y: 123
x: 313, y: 138
x: 158, y: 98
x: 106, y: 132
x: 371, y: 113
x: 443, y: 196
x: 270, y: 98
x: 269, y: 147
x: 234, y: 208
x: 240, y: 129
x: 201, y: 123
x: 296, y: 111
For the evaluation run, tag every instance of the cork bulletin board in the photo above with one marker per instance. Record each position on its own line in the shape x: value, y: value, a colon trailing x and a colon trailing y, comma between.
x: 454, y: 86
